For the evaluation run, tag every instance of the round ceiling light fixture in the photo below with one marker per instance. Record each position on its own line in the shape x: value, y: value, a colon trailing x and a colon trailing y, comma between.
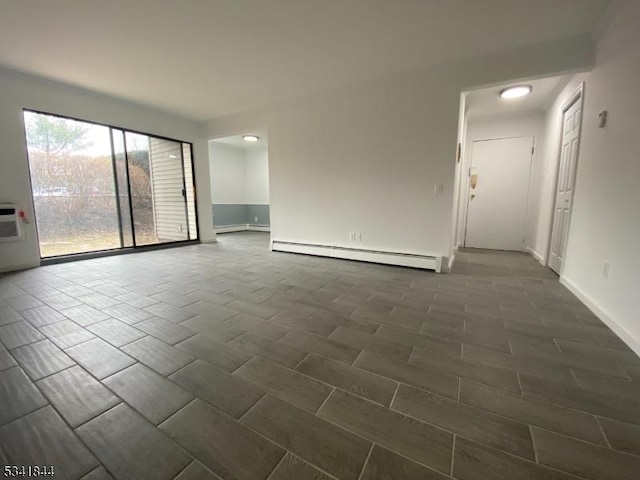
x: 250, y: 138
x: 517, y: 91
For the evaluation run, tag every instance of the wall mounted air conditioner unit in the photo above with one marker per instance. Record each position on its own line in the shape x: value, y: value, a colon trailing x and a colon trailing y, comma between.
x: 9, y: 223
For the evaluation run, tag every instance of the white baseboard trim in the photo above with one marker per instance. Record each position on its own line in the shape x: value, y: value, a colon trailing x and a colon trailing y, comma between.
x: 259, y: 228
x: 536, y: 255
x: 362, y: 255
x: 243, y: 228
x: 599, y: 312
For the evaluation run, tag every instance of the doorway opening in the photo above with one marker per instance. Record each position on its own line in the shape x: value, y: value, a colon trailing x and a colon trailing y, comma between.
x: 101, y: 188
x: 239, y: 167
x: 506, y: 176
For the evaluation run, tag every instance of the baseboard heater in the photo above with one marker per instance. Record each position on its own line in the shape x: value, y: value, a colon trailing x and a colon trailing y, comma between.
x: 360, y: 254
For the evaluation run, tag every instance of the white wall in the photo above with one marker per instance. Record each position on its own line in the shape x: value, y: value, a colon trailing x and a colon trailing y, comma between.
x: 22, y: 91
x: 257, y: 176
x: 605, y: 224
x: 365, y: 158
x: 228, y: 174
x: 238, y: 175
x: 521, y: 124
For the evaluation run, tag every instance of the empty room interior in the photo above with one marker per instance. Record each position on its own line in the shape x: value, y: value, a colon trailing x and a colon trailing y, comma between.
x: 291, y: 240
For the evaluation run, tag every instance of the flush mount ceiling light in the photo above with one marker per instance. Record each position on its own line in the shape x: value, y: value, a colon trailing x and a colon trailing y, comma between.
x: 250, y: 138
x: 516, y: 91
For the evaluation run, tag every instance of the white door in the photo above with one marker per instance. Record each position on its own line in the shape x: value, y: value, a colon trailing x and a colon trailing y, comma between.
x: 497, y: 210
x: 566, y: 181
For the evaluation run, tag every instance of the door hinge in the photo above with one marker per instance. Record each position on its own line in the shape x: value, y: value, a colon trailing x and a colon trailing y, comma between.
x: 533, y: 149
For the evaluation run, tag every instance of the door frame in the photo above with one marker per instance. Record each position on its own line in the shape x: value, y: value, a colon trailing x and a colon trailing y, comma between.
x: 576, y: 96
x: 122, y: 249
x: 468, y: 166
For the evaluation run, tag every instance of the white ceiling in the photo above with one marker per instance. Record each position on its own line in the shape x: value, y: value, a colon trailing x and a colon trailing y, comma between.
x: 207, y: 58
x: 487, y: 101
x: 237, y: 141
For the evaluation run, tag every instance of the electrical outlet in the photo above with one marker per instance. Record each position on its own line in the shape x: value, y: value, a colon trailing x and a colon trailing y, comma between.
x: 180, y: 228
x: 438, y: 188
x: 359, y: 237
x: 255, y: 219
x: 352, y: 237
x: 606, y: 269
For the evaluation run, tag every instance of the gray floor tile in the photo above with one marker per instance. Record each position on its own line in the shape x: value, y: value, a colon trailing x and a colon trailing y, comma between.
x: 23, y: 302
x: 216, y: 353
x: 6, y: 360
x: 473, y: 461
x: 42, y: 438
x: 9, y: 315
x: 197, y: 471
x: 566, y: 359
x: 18, y: 395
x: 99, y: 300
x: 321, y: 443
x: 571, y: 365
x: 157, y: 355
x: 221, y: 443
x: 351, y: 379
x: 211, y: 311
x: 472, y: 423
x: 116, y: 332
x: 120, y: 438
x: 169, y: 312
x: 41, y: 359
x: 84, y: 315
x: 43, y: 315
x: 591, y: 351
x: 384, y: 464
x: 66, y: 333
x: 214, y: 329
x: 582, y: 458
x: 580, y: 399
x: 127, y: 313
x: 61, y: 301
x: 17, y: 334
x: 413, y: 339
x: 231, y: 394
x: 293, y: 468
x: 621, y: 435
x: 487, y: 374
x: 257, y: 310
x: 98, y: 474
x: 270, y: 349
x: 257, y: 325
x: 155, y: 397
x: 362, y: 340
x: 567, y: 421
x: 607, y: 384
x: 77, y: 395
x: 168, y: 332
x: 320, y: 345
x: 415, y: 375
x: 99, y: 358
x: 421, y: 442
x: 136, y: 300
x: 518, y: 364
x: 284, y: 383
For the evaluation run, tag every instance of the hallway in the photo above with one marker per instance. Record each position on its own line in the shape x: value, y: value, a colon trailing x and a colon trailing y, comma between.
x: 230, y: 361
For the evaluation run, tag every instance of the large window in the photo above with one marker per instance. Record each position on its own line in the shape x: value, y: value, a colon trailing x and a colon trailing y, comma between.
x: 98, y: 188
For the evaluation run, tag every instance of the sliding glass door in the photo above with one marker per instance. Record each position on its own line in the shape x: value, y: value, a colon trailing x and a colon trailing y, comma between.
x: 98, y: 188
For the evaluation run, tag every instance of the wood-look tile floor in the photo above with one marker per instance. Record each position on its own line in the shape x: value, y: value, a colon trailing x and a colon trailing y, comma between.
x: 229, y: 361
